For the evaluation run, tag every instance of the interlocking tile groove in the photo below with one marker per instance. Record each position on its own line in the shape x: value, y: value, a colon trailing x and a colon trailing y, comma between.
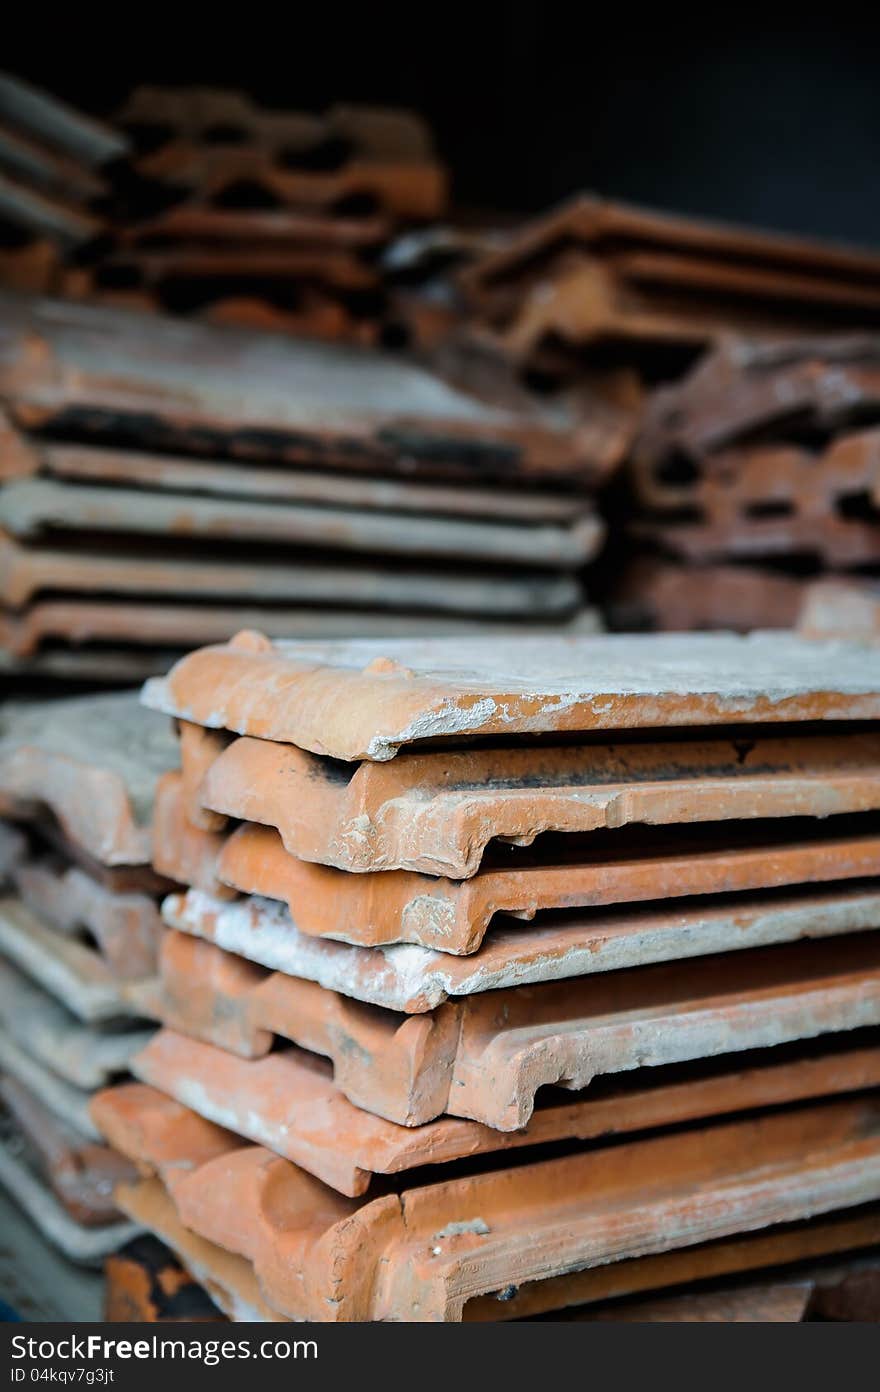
x: 94, y: 762
x: 401, y: 906
x: 182, y: 850
x: 423, y: 1253
x: 365, y: 699
x: 31, y: 507
x: 485, y: 1057
x: 415, y: 979
x: 81, y: 1172
x: 287, y: 1101
x: 753, y: 389
x: 228, y: 1279
x: 125, y: 927
x: 76, y: 1241
x: 82, y: 1055
x: 437, y: 812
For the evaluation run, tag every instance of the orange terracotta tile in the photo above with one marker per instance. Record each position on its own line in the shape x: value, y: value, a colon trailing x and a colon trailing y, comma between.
x: 401, y: 906
x: 214, y: 390
x: 94, y: 762
x: 485, y: 1057
x: 288, y: 1102
x: 32, y: 507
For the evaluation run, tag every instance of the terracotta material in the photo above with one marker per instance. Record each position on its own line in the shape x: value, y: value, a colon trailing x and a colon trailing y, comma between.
x: 32, y: 507
x: 99, y: 664
x: 415, y: 979
x: 594, y: 275
x: 364, y: 699
x: 147, y: 1285
x: 804, y: 1242
x: 400, y: 906
x: 81, y: 1173
x: 42, y: 1030
x: 734, y: 483
x: 71, y: 971
x: 832, y: 540
x: 597, y: 224
x: 27, y: 571
x: 125, y: 927
x: 422, y: 1254
x: 233, y: 1286
x: 192, y: 224
x: 180, y: 473
x: 199, y: 748
x: 385, y: 155
x: 94, y: 761
x: 182, y: 851
x: 437, y: 812
x: 228, y: 1279
x: 855, y: 1298
x: 192, y: 386
x: 13, y: 849
x: 287, y: 1101
x: 485, y: 1057
x: 34, y: 1198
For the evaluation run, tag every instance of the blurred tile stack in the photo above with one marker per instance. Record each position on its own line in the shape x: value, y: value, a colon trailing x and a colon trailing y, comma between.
x: 351, y: 999
x: 79, y: 938
x: 754, y: 476
x: 54, y: 178
x: 166, y: 483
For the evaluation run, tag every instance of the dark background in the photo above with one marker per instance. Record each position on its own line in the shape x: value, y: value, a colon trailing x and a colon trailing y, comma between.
x: 768, y: 123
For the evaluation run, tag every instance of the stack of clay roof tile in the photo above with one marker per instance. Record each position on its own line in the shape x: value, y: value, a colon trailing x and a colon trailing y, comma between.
x: 262, y: 217
x: 165, y: 483
x: 596, y: 281
x: 79, y: 939
x: 53, y: 183
x: 756, y: 474
x: 476, y: 966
